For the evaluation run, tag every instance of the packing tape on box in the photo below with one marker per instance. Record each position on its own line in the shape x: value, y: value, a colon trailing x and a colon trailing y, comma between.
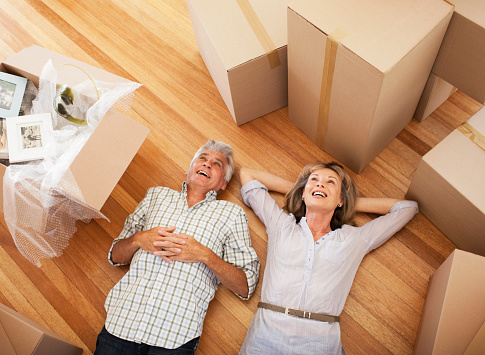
x: 260, y: 32
x: 331, y: 46
x: 469, y: 131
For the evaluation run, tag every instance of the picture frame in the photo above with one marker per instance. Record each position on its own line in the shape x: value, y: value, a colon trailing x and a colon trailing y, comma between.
x: 27, y: 136
x: 12, y: 90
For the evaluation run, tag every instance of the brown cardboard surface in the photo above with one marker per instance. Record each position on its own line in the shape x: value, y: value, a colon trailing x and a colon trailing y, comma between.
x: 383, y: 60
x: 236, y: 58
x: 448, y: 185
x: 454, y: 309
x: 461, y: 59
x: 435, y: 93
x: 102, y: 161
x: 6, y: 347
x: 28, y: 337
x: 477, y: 345
x: 114, y: 143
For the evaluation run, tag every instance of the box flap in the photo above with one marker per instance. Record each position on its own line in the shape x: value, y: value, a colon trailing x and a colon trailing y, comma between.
x: 28, y: 337
x: 6, y: 347
x: 231, y: 33
x: 21, y: 331
x: 477, y: 345
x: 22, y: 64
x: 105, y: 156
x: 460, y: 162
x: 381, y: 34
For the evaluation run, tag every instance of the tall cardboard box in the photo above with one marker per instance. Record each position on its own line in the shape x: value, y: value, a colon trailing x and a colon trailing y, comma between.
x: 449, y: 185
x: 454, y: 310
x: 243, y: 44
x: 461, y: 59
x: 104, y: 158
x: 435, y: 93
x: 356, y: 72
x: 20, y: 335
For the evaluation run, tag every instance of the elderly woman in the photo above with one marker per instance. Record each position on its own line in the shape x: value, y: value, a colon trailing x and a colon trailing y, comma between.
x: 314, y: 251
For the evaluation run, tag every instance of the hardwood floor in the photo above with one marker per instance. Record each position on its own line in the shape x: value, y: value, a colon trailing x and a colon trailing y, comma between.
x: 152, y: 42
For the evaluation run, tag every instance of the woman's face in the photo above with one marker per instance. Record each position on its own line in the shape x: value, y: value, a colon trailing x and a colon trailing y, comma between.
x: 323, y: 190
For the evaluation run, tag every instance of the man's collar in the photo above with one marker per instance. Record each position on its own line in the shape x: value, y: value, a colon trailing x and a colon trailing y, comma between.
x: 211, y: 195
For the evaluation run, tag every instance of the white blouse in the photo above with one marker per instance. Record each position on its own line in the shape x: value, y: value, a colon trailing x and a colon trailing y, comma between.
x: 310, y: 276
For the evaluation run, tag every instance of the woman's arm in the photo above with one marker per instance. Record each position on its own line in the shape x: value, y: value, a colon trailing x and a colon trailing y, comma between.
x: 272, y: 182
x: 375, y: 205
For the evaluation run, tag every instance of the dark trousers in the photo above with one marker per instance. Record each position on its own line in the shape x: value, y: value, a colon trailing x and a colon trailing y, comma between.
x: 108, y: 344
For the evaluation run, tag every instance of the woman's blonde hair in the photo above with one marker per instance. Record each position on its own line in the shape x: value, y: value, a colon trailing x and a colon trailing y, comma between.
x: 349, y: 193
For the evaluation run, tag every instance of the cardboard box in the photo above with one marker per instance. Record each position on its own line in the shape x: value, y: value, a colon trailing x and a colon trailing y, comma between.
x: 111, y: 147
x: 435, y: 93
x: 356, y: 72
x: 243, y: 44
x: 477, y: 345
x: 448, y: 185
x: 461, y: 59
x: 454, y: 309
x: 20, y: 335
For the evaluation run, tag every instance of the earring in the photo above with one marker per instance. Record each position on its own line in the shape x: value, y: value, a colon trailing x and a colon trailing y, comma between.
x: 338, y: 205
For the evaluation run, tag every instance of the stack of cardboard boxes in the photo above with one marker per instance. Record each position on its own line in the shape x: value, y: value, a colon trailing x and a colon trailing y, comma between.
x: 356, y: 74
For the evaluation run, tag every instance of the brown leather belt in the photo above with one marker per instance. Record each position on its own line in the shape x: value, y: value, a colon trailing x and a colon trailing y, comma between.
x: 301, y: 314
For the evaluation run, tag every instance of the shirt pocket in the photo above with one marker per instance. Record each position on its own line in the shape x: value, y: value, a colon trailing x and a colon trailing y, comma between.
x: 335, y: 251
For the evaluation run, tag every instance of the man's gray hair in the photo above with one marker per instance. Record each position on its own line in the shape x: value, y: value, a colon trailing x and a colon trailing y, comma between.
x: 224, y: 149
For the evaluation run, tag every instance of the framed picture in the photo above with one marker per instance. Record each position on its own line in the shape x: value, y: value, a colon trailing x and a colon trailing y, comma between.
x: 12, y: 88
x: 27, y: 136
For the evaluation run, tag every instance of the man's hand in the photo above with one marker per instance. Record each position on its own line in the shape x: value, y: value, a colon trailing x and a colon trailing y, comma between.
x: 124, y: 249
x: 181, y: 247
x: 146, y: 239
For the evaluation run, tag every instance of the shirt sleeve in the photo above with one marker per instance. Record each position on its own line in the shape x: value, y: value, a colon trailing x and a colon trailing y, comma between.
x: 134, y: 223
x: 256, y: 196
x: 240, y: 253
x: 379, y: 230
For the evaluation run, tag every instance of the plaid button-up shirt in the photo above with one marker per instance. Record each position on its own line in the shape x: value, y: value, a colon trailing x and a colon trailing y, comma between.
x: 164, y: 304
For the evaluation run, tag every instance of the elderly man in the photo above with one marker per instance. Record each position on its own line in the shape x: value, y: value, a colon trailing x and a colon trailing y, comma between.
x: 181, y: 245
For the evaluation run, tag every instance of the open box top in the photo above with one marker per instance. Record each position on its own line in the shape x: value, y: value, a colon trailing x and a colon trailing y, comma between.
x: 112, y: 145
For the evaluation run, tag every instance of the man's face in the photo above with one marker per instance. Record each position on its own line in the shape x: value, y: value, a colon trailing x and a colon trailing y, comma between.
x: 208, y: 171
